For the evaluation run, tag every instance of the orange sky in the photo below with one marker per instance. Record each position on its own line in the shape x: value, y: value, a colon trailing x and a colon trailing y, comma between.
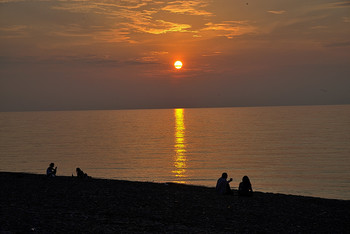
x: 58, y: 55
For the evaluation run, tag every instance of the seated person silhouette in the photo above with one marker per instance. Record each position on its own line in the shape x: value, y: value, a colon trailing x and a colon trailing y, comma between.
x: 245, y: 187
x: 81, y: 174
x: 50, y: 171
x: 223, y: 185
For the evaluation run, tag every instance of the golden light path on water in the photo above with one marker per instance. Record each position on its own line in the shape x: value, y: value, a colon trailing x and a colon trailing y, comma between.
x: 179, y: 146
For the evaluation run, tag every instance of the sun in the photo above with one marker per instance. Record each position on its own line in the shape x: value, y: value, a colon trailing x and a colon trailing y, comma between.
x: 178, y: 64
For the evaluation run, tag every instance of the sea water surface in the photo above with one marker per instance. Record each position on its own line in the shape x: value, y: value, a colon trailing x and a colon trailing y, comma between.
x: 301, y: 150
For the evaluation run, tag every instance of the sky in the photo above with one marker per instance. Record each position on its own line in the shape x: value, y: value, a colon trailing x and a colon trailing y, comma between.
x: 77, y: 55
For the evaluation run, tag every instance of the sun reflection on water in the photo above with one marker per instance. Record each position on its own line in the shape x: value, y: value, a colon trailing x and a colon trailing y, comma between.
x: 179, y: 146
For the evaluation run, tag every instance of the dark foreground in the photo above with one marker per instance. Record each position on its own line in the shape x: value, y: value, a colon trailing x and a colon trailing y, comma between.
x: 36, y: 204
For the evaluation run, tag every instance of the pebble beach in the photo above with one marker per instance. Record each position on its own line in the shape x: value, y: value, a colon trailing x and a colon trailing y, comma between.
x: 31, y: 203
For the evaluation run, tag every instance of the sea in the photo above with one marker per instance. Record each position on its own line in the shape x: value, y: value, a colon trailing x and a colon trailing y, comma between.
x: 299, y: 150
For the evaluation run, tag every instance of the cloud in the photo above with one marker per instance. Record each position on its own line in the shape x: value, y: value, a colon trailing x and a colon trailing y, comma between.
x: 214, y: 53
x: 72, y: 34
x: 69, y: 59
x: 333, y: 5
x: 89, y: 22
x: 152, y: 57
x: 72, y: 30
x: 143, y: 60
x: 159, y: 27
x: 99, y: 7
x: 188, y: 7
x: 128, y: 16
x: 14, y: 31
x: 122, y: 21
x: 88, y: 57
x: 277, y: 12
x: 341, y: 4
x: 159, y: 53
x: 228, y: 29
x: 124, y: 4
x: 115, y: 35
x: 10, y: 1
x: 339, y: 44
x: 319, y: 27
x: 5, y: 60
x: 346, y: 19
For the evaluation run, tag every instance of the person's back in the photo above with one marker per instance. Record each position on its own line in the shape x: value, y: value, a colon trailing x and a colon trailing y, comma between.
x: 245, y: 187
x: 222, y: 185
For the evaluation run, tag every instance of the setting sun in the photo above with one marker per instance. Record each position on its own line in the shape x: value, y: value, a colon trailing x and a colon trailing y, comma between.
x: 178, y: 64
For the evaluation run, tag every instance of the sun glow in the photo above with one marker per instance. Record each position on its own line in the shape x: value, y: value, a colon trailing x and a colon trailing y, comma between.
x: 178, y: 64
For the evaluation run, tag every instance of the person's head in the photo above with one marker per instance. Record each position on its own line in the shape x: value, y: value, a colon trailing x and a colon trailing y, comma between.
x: 52, y: 164
x: 245, y: 179
x: 224, y: 175
x: 78, y: 169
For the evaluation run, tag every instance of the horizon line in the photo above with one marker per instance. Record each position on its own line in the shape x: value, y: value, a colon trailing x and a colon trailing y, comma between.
x: 166, y: 108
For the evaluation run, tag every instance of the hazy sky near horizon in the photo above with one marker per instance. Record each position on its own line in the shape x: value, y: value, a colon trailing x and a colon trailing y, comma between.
x: 108, y: 54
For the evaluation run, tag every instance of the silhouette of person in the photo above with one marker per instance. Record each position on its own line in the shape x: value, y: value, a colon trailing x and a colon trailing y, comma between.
x: 245, y: 187
x: 81, y: 174
x: 50, y: 171
x: 223, y: 185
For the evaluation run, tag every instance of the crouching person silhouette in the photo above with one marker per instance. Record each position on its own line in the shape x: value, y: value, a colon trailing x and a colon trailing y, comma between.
x: 51, y: 171
x: 81, y: 174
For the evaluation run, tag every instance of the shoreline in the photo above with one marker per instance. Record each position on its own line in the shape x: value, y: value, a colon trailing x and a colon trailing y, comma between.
x: 32, y: 203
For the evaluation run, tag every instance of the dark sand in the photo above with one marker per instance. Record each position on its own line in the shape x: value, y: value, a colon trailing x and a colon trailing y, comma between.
x: 36, y: 204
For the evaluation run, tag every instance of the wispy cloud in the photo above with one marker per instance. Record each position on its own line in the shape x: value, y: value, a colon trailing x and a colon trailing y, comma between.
x: 214, y: 53
x: 339, y: 44
x: 132, y: 16
x: 99, y: 7
x: 333, y: 5
x: 14, y: 31
x: 9, y: 1
x: 115, y: 35
x: 91, y: 34
x: 277, y: 12
x: 73, y: 30
x: 187, y: 7
x: 341, y: 4
x: 159, y: 27
x: 319, y: 27
x: 346, y: 19
x: 122, y: 21
x: 152, y: 57
x: 229, y: 29
x: 5, y: 60
x: 105, y: 60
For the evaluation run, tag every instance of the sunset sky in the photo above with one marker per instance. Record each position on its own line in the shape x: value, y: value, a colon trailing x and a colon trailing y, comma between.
x: 67, y: 55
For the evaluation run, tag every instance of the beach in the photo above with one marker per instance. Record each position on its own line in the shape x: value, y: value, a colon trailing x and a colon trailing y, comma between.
x: 32, y: 203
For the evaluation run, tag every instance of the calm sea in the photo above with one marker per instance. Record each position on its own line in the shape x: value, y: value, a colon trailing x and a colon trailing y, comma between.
x: 302, y: 150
